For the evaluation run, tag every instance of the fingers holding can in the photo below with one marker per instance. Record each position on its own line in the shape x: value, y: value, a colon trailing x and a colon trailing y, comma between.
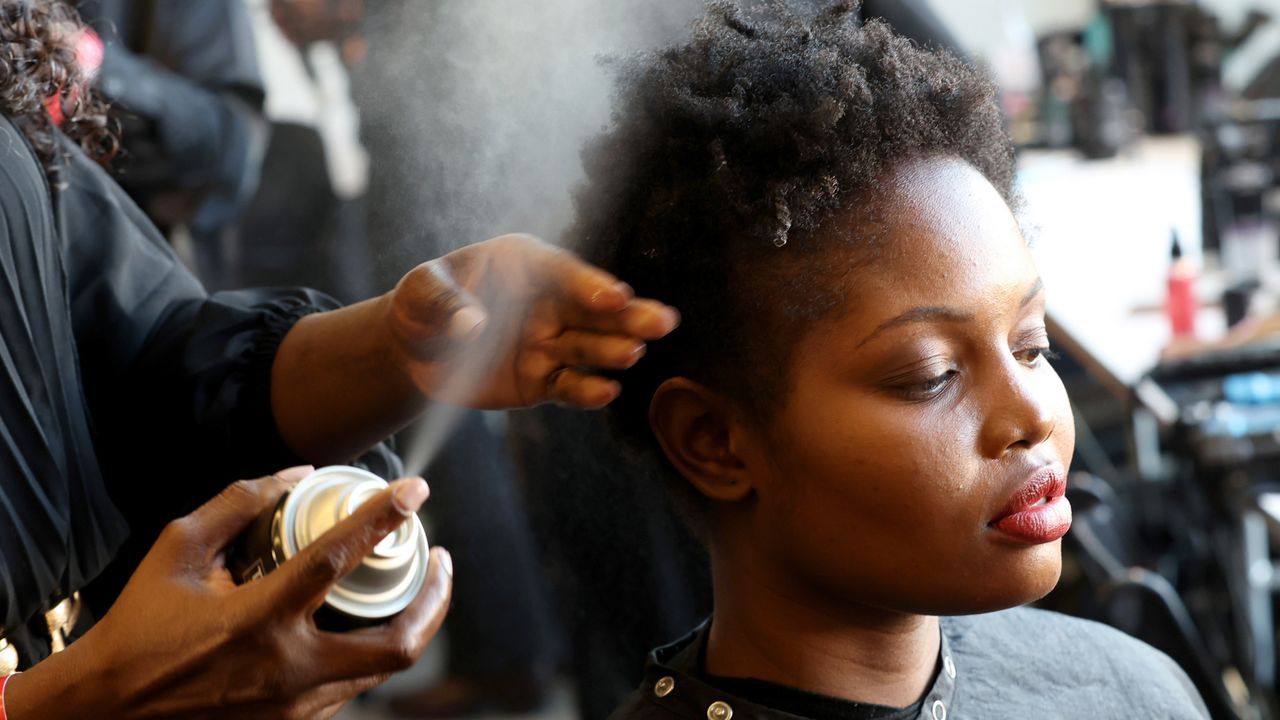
x: 396, y: 645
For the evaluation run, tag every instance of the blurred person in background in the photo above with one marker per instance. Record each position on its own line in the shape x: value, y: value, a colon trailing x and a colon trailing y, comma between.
x: 306, y: 222
x: 183, y: 80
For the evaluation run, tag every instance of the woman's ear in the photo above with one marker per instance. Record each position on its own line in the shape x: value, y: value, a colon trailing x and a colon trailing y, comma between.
x: 697, y: 430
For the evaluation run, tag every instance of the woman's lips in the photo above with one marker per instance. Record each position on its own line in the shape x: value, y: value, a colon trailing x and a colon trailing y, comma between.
x: 1038, y: 512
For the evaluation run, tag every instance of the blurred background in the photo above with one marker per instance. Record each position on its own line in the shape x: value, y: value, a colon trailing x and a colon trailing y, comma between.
x: 337, y: 143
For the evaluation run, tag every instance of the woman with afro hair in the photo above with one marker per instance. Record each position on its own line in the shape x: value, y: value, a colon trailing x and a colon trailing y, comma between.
x: 858, y: 415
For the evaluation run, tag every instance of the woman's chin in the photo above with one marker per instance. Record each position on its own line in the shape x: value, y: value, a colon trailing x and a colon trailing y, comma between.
x: 1000, y: 589
x: 1030, y: 582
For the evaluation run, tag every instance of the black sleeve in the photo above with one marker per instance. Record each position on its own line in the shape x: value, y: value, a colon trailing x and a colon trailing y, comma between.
x: 58, y: 527
x: 178, y: 382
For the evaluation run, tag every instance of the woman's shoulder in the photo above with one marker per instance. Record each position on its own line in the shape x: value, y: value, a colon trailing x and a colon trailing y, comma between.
x: 1032, y: 631
x: 22, y: 178
x: 1052, y: 657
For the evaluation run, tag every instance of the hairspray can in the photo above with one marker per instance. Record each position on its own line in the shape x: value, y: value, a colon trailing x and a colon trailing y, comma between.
x: 384, y: 583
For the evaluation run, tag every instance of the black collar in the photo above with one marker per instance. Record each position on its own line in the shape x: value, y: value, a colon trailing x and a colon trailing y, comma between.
x: 672, y: 681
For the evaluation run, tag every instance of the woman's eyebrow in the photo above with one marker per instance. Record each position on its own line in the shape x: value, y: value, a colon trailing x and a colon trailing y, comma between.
x: 1036, y: 288
x: 919, y: 314
x: 927, y: 312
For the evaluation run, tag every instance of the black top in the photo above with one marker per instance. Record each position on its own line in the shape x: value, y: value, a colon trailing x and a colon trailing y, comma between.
x: 127, y: 395
x: 1017, y: 663
x: 800, y: 703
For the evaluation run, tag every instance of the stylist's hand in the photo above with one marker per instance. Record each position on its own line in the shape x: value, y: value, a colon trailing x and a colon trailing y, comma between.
x: 514, y: 322
x: 183, y: 641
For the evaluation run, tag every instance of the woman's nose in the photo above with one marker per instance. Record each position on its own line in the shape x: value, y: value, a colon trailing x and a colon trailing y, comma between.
x: 1020, y: 409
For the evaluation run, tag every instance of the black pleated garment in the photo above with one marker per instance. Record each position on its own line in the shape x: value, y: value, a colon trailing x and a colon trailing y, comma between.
x: 59, y: 527
x: 128, y: 395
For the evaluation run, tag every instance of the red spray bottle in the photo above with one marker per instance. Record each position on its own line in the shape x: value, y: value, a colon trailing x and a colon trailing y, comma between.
x: 1180, y: 304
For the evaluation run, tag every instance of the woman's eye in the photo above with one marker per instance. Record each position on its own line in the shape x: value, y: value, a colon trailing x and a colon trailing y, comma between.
x: 1032, y: 356
x: 928, y: 389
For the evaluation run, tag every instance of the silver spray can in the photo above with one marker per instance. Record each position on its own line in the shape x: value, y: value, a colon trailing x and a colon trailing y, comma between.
x: 382, y: 585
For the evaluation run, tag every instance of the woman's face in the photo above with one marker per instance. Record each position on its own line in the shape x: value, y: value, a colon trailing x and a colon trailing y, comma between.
x: 918, y: 461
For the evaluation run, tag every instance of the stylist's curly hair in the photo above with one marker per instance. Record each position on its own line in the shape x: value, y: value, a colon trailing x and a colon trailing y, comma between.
x: 729, y: 153
x: 38, y: 61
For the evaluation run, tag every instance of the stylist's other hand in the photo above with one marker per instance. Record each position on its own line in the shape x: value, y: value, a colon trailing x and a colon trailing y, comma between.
x: 514, y: 322
x: 184, y: 641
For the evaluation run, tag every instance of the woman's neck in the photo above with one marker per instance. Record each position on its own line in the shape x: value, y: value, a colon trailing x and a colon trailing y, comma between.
x: 767, y: 631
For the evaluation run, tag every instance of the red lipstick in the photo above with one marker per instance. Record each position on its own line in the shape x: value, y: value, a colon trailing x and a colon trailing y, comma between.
x: 1038, y: 511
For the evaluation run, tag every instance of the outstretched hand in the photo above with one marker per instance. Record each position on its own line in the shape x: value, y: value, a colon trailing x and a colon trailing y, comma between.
x: 514, y: 322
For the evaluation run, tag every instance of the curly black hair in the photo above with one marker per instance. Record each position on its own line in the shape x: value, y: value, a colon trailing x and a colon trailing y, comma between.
x: 729, y: 154
x: 38, y: 62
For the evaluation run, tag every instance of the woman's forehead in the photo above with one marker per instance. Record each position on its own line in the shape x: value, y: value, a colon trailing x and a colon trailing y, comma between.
x: 944, y: 237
